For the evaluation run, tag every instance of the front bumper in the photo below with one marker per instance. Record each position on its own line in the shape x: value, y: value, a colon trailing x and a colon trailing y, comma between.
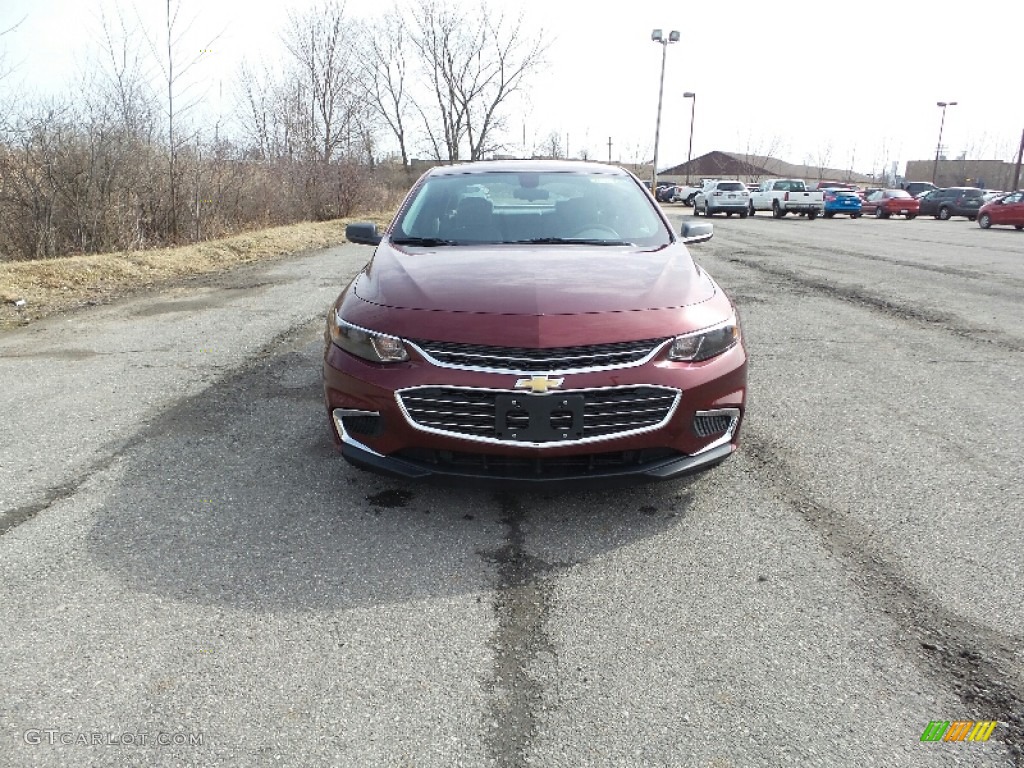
x: 386, y: 435
x: 665, y: 468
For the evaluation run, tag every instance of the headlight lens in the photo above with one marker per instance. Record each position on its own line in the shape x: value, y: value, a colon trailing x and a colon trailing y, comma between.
x: 369, y: 345
x: 705, y: 344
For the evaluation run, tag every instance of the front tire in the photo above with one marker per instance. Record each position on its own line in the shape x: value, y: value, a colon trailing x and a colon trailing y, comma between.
x: 828, y: 214
x: 985, y: 221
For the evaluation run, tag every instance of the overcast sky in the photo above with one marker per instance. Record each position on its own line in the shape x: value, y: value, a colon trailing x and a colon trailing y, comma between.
x: 838, y: 82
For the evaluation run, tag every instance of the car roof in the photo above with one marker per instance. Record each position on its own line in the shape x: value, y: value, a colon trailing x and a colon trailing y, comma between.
x: 525, y: 166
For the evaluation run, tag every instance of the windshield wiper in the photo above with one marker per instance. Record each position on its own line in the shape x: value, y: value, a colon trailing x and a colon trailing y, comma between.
x: 571, y: 241
x: 427, y: 242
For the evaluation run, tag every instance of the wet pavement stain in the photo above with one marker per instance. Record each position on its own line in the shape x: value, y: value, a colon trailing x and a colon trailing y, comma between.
x: 393, y: 498
x: 522, y: 604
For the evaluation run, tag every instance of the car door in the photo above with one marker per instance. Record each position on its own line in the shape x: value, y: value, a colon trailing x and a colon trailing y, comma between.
x: 929, y: 203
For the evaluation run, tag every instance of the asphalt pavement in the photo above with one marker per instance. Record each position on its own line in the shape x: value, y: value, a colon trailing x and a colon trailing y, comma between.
x: 190, y: 575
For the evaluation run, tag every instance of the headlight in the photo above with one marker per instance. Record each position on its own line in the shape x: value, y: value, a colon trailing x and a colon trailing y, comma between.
x: 705, y: 344
x: 369, y: 345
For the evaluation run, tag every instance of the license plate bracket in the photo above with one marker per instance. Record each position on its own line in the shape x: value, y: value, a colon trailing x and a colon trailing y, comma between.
x: 538, y: 418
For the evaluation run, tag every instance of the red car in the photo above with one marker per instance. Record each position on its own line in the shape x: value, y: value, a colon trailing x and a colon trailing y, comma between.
x: 1008, y: 209
x: 533, y: 321
x: 883, y: 203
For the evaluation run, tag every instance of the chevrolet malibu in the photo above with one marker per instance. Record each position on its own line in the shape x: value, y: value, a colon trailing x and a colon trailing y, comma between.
x: 537, y: 322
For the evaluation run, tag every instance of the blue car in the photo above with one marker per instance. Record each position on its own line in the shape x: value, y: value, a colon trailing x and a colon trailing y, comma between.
x: 842, y: 201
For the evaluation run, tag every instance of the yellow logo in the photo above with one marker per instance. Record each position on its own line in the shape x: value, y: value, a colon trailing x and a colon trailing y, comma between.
x: 538, y: 385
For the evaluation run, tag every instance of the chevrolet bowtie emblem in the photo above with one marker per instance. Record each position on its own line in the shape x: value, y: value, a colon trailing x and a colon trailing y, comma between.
x: 538, y: 385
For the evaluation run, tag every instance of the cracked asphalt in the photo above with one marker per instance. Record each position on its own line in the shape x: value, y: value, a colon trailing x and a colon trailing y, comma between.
x: 191, y: 576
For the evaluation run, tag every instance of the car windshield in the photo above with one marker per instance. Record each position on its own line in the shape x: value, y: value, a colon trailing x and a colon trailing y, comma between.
x: 553, y: 207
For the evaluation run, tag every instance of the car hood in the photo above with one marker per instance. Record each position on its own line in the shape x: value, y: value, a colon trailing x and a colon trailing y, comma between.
x: 533, y: 281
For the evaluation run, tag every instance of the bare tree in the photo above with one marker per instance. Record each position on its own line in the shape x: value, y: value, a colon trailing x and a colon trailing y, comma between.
x: 552, y: 146
x: 386, y: 75
x: 5, y: 68
x: 762, y: 153
x: 821, y: 159
x: 472, y: 66
x: 326, y: 74
x: 179, y: 91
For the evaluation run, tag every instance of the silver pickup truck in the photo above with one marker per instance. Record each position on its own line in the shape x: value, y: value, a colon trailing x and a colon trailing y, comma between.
x: 782, y: 196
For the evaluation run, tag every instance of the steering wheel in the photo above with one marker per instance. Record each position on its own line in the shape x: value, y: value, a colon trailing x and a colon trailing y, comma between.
x: 596, y: 232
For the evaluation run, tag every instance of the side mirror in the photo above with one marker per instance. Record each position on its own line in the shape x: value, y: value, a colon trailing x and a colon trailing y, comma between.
x: 363, y: 233
x: 694, y: 232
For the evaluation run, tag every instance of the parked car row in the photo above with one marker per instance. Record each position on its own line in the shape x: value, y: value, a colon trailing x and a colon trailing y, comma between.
x: 783, y: 196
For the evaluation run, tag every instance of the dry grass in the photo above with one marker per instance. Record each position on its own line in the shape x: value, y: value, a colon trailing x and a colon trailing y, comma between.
x: 51, y: 286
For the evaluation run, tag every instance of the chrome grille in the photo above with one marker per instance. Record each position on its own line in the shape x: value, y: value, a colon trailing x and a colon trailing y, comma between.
x: 472, y: 413
x: 528, y: 359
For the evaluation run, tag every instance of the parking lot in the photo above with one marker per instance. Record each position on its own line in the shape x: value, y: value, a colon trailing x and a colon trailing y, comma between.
x: 183, y: 553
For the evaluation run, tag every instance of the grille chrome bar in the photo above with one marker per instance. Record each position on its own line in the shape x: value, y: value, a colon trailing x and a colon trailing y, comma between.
x: 525, y: 360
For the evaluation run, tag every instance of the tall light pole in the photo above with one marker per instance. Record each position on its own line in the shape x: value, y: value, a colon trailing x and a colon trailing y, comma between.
x: 1016, y: 168
x: 942, y: 123
x: 689, y: 154
x: 658, y: 37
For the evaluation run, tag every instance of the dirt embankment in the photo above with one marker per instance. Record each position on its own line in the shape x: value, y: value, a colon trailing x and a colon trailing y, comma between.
x: 30, y: 290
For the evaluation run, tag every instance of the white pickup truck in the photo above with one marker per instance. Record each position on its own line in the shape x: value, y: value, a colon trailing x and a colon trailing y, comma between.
x: 684, y: 193
x: 782, y: 196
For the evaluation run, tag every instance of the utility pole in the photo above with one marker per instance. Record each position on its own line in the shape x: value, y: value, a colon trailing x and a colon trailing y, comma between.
x: 609, y: 149
x: 1016, y: 168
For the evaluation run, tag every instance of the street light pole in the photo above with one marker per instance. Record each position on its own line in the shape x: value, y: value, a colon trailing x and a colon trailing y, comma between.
x: 689, y: 154
x: 657, y: 37
x: 942, y: 124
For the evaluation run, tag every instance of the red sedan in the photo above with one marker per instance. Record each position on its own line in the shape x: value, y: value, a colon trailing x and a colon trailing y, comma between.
x: 883, y: 203
x: 533, y: 321
x: 1008, y: 209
